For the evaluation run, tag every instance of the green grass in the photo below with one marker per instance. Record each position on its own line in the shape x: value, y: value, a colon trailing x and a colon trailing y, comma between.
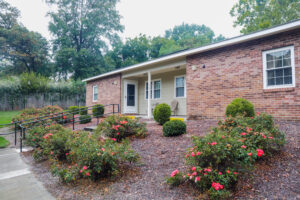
x: 6, y: 116
x: 3, y: 142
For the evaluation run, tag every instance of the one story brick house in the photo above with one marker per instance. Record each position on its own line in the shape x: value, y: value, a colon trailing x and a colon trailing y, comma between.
x: 262, y: 67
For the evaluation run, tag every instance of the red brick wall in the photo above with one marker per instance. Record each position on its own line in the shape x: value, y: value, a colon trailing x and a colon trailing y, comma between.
x: 237, y: 71
x: 109, y: 91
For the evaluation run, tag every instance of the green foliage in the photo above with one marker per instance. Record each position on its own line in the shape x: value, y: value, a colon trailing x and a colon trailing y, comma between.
x: 83, y: 110
x: 162, y: 113
x: 74, y: 109
x: 174, y: 128
x: 33, y: 83
x: 229, y: 151
x: 79, y: 39
x: 98, y: 110
x: 240, y: 106
x: 3, y: 142
x: 75, y: 155
x: 255, y: 15
x: 119, y: 127
x: 83, y: 119
x: 175, y: 179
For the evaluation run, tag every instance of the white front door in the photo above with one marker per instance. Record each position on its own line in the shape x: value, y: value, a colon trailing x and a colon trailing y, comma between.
x: 130, y: 96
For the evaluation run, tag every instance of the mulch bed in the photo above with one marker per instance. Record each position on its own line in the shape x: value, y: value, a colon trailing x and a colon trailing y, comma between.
x: 275, y: 178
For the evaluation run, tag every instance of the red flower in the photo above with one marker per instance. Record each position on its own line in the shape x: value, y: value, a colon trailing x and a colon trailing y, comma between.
x: 51, y: 152
x: 67, y: 154
x: 234, y: 172
x: 213, y: 143
x: 220, y: 173
x: 197, y: 179
x: 194, y: 168
x: 114, y: 139
x: 198, y: 153
x: 174, y: 173
x: 223, y: 136
x: 217, y: 186
x: 87, y: 173
x: 243, y: 133
x: 84, y: 167
x: 118, y: 133
x: 187, y: 155
x: 260, y: 152
x: 243, y: 147
x: 81, y: 171
x: 228, y: 171
x: 193, y: 154
x: 250, y: 154
x: 194, y: 174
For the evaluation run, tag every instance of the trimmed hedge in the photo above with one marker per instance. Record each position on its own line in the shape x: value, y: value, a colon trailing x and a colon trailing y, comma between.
x: 83, y: 119
x: 162, y: 113
x: 83, y: 110
x: 174, y: 128
x: 74, y: 110
x: 240, y: 106
x: 98, y: 110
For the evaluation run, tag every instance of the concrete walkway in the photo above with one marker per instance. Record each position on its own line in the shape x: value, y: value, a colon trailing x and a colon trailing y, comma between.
x: 17, y: 181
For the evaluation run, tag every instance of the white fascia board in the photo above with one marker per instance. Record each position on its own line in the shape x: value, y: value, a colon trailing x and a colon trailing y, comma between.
x: 232, y: 41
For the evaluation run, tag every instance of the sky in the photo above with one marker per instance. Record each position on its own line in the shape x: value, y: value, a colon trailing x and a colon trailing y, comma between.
x: 150, y: 17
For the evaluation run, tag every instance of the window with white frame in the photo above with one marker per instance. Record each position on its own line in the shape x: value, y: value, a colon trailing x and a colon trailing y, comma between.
x: 95, y: 93
x: 155, y: 91
x: 279, y: 68
x: 180, y: 86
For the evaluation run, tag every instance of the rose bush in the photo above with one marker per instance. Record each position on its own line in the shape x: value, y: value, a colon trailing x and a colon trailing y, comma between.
x: 119, y: 127
x: 228, y: 151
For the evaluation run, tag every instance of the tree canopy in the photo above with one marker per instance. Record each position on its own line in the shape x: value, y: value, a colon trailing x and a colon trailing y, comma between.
x: 253, y: 15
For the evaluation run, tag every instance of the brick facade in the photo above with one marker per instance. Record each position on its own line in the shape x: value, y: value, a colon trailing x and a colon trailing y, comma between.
x: 109, y: 91
x: 237, y: 71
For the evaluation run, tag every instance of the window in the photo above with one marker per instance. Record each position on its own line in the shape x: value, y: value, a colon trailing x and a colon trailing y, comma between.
x: 154, y: 90
x: 279, y: 68
x: 95, y: 93
x: 180, y: 86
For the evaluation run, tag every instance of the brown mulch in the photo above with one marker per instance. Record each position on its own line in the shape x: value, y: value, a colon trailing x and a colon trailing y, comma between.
x: 275, y: 178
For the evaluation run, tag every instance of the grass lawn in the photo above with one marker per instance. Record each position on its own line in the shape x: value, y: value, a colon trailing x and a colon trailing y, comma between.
x: 6, y: 116
x: 3, y: 142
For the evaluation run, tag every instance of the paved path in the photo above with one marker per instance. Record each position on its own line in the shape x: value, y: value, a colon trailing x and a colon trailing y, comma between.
x: 17, y: 181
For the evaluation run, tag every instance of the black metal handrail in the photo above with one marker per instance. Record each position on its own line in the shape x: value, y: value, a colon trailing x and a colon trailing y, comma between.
x: 34, y: 122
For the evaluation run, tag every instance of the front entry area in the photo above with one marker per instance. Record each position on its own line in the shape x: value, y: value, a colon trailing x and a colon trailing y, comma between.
x: 130, y: 97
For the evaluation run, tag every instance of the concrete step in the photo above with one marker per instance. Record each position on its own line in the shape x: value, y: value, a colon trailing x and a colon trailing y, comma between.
x: 90, y: 128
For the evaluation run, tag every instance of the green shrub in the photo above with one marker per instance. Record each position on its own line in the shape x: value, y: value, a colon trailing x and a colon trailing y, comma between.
x: 174, y: 128
x: 240, y: 106
x: 119, y: 127
x: 98, y: 110
x: 74, y: 110
x: 162, y: 113
x: 83, y: 110
x: 229, y: 151
x: 83, y: 119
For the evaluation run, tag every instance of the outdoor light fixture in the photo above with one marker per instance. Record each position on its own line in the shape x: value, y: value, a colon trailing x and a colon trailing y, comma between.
x: 203, y: 66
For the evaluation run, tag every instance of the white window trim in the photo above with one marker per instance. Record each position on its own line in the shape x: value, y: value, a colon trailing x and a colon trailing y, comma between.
x: 265, y: 79
x: 184, y: 86
x: 152, y: 81
x: 95, y: 100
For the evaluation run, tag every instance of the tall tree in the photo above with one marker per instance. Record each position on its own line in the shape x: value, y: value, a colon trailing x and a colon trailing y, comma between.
x: 21, y: 50
x: 253, y: 15
x: 83, y: 27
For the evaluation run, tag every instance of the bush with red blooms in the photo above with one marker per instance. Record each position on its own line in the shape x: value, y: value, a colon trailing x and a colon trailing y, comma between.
x: 228, y: 151
x: 120, y: 127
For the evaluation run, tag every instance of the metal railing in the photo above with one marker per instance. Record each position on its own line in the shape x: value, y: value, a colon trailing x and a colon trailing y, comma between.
x: 58, y: 118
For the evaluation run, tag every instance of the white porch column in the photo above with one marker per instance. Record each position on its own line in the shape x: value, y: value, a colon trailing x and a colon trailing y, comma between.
x: 149, y: 95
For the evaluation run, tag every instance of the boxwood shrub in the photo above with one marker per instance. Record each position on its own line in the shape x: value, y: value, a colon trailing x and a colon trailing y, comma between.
x: 240, y: 106
x: 162, y: 113
x: 74, y: 110
x: 83, y: 110
x: 83, y: 119
x: 174, y: 128
x: 98, y: 110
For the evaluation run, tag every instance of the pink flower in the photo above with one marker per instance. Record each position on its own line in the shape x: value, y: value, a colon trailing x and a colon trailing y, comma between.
x: 198, y: 153
x: 194, y: 174
x: 114, y: 139
x: 260, y: 152
x: 197, y: 179
x: 84, y: 167
x: 243, y: 147
x: 194, y: 168
x: 220, y: 173
x: 67, y: 154
x: 270, y: 137
x: 205, y: 173
x: 102, y: 149
x: 69, y: 167
x: 81, y: 171
x: 223, y: 136
x: 228, y: 171
x: 209, y: 170
x: 234, y: 172
x: 258, y: 113
x: 174, y: 173
x: 217, y: 186
x: 118, y: 133
x: 87, y: 173
x: 193, y: 154
x: 250, y: 154
x: 213, y: 143
x: 187, y: 155
x: 243, y: 133
x: 51, y: 152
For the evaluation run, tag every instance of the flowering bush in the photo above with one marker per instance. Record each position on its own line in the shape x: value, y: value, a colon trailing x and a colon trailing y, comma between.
x: 229, y: 150
x: 78, y: 154
x: 119, y: 127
